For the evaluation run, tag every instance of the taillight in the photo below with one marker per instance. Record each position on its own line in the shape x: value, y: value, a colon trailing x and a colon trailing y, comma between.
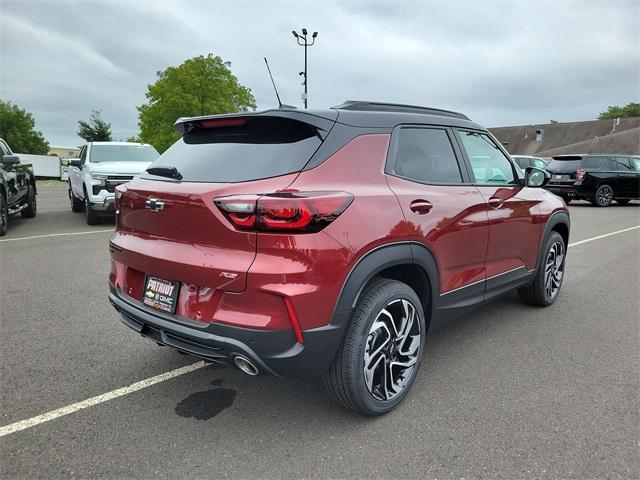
x: 284, y: 211
x: 120, y: 190
x: 580, y: 174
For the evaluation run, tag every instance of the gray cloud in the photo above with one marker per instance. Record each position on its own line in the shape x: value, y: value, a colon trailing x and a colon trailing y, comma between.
x: 499, y: 62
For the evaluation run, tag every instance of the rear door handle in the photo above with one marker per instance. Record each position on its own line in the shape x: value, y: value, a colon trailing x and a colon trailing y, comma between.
x: 495, y: 202
x: 420, y: 206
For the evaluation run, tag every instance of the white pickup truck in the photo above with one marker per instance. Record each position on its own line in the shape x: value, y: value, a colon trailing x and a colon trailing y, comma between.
x: 102, y: 166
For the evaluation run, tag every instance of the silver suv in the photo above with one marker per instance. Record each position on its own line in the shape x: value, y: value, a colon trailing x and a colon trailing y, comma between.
x: 102, y: 166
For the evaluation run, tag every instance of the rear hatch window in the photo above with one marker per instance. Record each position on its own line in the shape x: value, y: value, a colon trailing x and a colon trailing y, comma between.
x: 241, y: 149
x: 564, y: 165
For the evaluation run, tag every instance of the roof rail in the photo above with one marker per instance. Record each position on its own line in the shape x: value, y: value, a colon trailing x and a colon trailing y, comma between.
x: 365, y: 106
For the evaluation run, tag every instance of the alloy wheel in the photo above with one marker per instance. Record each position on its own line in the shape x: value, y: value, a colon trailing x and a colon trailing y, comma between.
x: 554, y: 270
x: 605, y: 195
x: 392, y: 349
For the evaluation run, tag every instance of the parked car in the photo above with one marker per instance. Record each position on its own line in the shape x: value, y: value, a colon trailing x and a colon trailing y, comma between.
x: 599, y: 178
x: 101, y: 167
x: 524, y: 161
x: 328, y: 242
x: 17, y: 188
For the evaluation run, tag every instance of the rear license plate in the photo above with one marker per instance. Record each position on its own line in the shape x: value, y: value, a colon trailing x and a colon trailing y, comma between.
x: 161, y: 294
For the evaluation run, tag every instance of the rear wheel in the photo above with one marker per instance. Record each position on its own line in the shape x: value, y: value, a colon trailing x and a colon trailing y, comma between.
x: 4, y: 216
x: 92, y: 217
x: 603, y: 196
x: 32, y: 205
x: 546, y: 285
x: 567, y: 200
x: 382, y: 350
x: 76, y: 204
x: 622, y: 201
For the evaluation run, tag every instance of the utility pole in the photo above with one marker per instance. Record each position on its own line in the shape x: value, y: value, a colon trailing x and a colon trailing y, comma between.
x: 302, y: 41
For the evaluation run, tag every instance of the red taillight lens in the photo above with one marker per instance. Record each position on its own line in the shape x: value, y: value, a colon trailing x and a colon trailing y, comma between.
x: 119, y: 195
x: 223, y: 122
x: 580, y: 174
x: 285, y: 211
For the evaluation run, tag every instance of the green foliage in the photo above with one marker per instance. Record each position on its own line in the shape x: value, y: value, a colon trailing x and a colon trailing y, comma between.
x: 200, y: 86
x: 17, y: 128
x: 134, y: 139
x: 615, y: 111
x: 96, y: 129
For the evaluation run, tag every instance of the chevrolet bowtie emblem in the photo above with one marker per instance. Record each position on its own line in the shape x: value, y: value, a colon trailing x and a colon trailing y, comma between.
x: 154, y: 204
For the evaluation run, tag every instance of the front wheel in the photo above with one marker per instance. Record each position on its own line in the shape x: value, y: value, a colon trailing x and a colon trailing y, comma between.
x: 32, y: 205
x: 91, y: 216
x: 4, y: 215
x: 546, y: 285
x: 382, y: 350
x: 603, y: 196
x: 76, y: 204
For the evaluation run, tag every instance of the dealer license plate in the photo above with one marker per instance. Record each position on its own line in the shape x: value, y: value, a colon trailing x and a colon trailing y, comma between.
x: 161, y: 294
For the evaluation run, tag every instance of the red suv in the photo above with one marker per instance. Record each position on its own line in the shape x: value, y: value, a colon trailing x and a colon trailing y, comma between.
x: 329, y: 242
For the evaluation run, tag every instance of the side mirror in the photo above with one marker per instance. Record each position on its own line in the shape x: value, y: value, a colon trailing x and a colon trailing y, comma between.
x: 536, y: 177
x: 75, y: 162
x: 10, y: 159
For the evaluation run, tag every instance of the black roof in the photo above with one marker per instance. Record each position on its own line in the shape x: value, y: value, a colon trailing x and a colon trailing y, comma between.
x: 358, y: 114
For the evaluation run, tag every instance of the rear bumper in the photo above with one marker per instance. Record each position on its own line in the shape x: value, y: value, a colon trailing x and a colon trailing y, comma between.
x: 563, y: 190
x: 273, y: 351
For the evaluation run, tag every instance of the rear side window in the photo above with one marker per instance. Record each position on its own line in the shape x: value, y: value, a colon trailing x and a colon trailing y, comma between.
x: 535, y: 162
x: 596, y: 163
x: 488, y: 162
x: 243, y: 150
x: 623, y: 164
x: 426, y: 156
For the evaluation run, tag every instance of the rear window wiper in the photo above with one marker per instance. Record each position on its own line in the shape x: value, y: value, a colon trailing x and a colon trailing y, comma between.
x: 169, y: 172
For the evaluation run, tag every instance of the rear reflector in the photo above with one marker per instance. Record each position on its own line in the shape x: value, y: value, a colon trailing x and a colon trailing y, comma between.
x: 295, y: 323
x: 284, y: 211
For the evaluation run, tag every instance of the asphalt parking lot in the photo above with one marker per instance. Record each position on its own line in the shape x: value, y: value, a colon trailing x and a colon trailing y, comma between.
x: 509, y: 391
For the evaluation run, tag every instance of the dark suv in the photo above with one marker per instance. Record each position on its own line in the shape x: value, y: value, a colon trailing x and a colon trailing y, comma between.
x: 329, y: 242
x: 598, y: 178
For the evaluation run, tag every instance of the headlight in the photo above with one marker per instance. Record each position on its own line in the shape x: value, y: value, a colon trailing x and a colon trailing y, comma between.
x: 98, y: 178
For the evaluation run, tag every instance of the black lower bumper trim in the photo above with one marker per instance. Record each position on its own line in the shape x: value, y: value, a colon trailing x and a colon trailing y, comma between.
x: 273, y: 352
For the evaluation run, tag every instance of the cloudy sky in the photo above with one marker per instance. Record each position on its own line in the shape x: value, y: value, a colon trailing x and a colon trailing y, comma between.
x: 501, y: 63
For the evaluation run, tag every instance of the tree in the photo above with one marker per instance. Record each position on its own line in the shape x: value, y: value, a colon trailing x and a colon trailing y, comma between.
x: 96, y: 129
x: 199, y: 86
x: 17, y: 128
x: 615, y: 111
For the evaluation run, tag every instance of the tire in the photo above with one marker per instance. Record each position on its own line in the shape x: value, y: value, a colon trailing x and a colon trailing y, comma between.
x: 76, y: 204
x: 91, y: 216
x: 567, y: 200
x: 4, y: 216
x: 622, y: 201
x: 550, y: 264
x: 32, y: 208
x: 346, y: 381
x: 603, y: 196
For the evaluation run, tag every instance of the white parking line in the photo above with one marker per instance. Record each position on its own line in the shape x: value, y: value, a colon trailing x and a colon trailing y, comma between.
x: 65, y: 234
x: 105, y: 397
x: 134, y: 387
x: 603, y: 236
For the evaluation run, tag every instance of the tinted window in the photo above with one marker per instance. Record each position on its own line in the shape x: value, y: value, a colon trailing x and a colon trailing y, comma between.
x: 623, y: 163
x: 488, y: 162
x: 123, y: 153
x: 596, y: 163
x: 562, y: 165
x: 426, y: 155
x: 636, y: 164
x: 258, y: 148
x: 522, y: 162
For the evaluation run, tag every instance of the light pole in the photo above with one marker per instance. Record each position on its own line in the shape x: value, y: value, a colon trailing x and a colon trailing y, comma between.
x: 302, y: 41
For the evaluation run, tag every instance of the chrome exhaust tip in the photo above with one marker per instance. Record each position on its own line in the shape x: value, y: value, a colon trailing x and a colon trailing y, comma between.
x: 246, y: 365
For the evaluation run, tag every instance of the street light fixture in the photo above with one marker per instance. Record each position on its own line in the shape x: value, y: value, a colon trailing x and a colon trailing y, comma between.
x: 302, y: 41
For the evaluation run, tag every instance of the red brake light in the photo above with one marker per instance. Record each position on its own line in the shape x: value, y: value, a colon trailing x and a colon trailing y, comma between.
x: 223, y: 122
x: 285, y: 211
x: 580, y: 174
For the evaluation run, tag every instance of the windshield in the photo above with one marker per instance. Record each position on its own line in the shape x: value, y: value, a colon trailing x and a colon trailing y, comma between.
x: 123, y: 153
